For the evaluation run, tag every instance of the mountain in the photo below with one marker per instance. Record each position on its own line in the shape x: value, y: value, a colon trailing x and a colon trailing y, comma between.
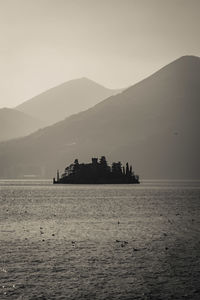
x: 153, y: 124
x: 66, y: 99
x: 14, y: 124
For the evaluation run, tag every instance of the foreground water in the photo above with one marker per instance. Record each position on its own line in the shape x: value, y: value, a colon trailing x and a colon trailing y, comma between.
x: 99, y: 241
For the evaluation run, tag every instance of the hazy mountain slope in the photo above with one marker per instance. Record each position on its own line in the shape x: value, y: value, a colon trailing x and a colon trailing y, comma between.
x: 66, y: 99
x: 14, y: 124
x: 154, y: 124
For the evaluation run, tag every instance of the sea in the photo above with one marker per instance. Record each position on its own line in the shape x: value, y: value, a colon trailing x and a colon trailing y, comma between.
x: 99, y: 241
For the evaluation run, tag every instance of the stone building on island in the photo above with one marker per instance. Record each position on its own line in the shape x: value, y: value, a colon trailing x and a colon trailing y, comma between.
x: 97, y: 172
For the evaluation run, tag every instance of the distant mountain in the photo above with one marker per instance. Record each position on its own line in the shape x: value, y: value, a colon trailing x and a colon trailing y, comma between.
x: 14, y: 124
x: 153, y: 124
x: 66, y: 99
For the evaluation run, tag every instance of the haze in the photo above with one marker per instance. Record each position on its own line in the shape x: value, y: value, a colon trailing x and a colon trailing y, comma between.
x: 114, y: 42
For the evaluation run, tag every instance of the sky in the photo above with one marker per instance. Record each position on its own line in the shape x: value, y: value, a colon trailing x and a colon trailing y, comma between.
x: 116, y: 43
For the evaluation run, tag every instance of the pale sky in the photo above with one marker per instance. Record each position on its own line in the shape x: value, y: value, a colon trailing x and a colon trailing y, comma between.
x: 114, y: 42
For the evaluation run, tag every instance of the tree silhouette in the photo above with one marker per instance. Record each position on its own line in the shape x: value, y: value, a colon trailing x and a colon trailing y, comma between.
x: 97, y: 172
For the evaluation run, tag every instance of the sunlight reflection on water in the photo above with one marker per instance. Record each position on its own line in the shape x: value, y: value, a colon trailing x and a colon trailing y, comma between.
x: 99, y: 241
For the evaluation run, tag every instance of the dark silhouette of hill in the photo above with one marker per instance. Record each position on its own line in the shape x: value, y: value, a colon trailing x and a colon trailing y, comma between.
x: 66, y: 99
x: 154, y: 125
x: 14, y: 124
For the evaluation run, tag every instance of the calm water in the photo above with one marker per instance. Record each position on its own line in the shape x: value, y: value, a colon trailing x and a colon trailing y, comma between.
x: 99, y: 241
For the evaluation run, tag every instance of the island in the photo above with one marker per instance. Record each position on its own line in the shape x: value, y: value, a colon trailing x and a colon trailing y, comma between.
x: 97, y: 172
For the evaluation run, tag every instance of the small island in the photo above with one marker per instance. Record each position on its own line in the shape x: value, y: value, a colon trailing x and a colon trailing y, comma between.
x: 97, y: 172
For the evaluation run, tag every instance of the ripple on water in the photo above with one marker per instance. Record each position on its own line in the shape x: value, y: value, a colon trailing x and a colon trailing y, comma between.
x: 99, y: 242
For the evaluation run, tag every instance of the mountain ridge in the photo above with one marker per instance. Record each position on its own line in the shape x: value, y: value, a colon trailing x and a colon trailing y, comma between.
x: 153, y: 124
x: 16, y: 124
x: 59, y: 102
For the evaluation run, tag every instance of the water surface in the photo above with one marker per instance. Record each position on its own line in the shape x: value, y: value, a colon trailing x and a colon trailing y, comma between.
x: 99, y: 241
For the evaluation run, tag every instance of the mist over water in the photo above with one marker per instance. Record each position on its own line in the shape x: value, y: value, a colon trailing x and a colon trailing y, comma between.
x: 99, y: 241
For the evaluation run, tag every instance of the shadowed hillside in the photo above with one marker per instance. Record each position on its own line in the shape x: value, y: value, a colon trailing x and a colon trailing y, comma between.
x: 66, y: 99
x: 14, y: 124
x: 153, y: 124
